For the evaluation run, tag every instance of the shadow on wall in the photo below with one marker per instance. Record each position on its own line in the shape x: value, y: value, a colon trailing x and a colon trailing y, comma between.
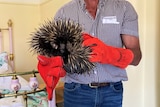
x: 158, y: 59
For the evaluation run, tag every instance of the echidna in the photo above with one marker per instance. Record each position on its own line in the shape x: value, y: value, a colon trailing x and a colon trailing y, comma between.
x: 63, y: 38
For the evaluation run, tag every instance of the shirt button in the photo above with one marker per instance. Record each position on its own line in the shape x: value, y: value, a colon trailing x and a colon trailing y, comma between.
x: 95, y: 72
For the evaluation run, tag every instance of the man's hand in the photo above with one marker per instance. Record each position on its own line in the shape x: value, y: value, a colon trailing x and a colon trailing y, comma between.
x: 105, y: 54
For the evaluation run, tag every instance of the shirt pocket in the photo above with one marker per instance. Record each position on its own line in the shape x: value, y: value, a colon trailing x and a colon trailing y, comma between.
x: 110, y: 33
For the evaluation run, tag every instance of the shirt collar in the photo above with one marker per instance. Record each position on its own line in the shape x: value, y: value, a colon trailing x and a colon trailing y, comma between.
x: 82, y: 4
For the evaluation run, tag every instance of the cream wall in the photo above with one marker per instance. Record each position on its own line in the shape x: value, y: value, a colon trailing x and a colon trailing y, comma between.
x: 142, y: 89
x: 158, y: 57
x: 49, y: 9
x: 152, y: 46
x: 25, y: 18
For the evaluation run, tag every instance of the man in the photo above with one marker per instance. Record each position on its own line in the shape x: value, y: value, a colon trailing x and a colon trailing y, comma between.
x: 115, y: 24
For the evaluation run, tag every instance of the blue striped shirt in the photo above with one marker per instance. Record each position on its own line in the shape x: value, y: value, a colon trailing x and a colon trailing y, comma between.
x: 113, y: 18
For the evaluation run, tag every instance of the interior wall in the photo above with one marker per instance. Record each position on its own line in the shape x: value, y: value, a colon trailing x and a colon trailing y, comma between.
x: 151, y: 50
x: 25, y: 18
x: 158, y: 56
x: 49, y: 8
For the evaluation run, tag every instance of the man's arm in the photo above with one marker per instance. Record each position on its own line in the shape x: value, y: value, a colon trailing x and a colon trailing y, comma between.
x: 132, y: 43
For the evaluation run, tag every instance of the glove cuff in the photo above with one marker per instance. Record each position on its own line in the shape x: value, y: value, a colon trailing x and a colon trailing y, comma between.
x: 118, y: 56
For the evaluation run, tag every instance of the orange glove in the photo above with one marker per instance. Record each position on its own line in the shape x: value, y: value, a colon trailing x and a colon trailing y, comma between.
x: 50, y: 69
x: 105, y: 54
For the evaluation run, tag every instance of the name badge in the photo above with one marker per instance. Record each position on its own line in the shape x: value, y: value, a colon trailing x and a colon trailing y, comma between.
x: 110, y: 20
